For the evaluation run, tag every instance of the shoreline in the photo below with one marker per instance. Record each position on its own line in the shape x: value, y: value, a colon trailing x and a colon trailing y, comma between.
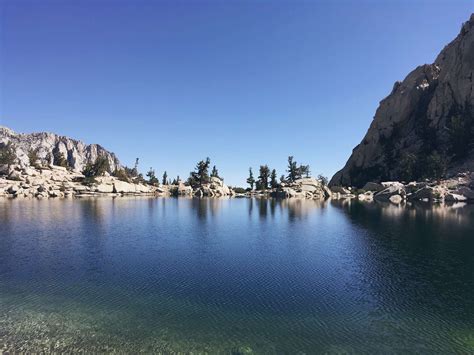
x: 58, y: 182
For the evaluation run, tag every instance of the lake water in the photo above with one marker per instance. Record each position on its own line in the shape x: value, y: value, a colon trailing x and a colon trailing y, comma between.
x: 235, y: 276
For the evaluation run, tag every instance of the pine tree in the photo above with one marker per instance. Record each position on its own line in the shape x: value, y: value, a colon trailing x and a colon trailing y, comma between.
x: 263, y: 177
x: 303, y: 170
x: 98, y: 168
x: 250, y: 179
x: 164, y: 180
x: 33, y: 156
x: 59, y: 159
x: 293, y: 171
x: 152, y: 179
x: 7, y: 154
x: 134, y: 171
x: 215, y: 172
x: 273, y: 179
x: 200, y: 176
x: 323, y: 179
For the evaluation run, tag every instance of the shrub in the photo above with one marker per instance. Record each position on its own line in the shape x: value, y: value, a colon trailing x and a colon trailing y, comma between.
x: 33, y: 157
x: 121, y: 174
x: 59, y: 159
x: 435, y: 166
x: 460, y: 136
x: 408, y: 165
x: 152, y: 179
x: 100, y: 166
x: 7, y: 154
x: 323, y: 179
x: 89, y: 180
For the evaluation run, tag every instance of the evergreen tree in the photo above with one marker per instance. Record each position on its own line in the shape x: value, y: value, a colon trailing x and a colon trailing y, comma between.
x: 303, y: 170
x: 293, y: 171
x: 201, y: 174
x: 98, y: 168
x: 250, y: 179
x: 461, y: 136
x: 215, y: 172
x: 134, y: 171
x: 282, y: 179
x: 263, y: 177
x: 49, y: 158
x: 273, y: 179
x: 408, y: 167
x: 164, y: 180
x: 33, y: 156
x: 152, y: 179
x: 121, y: 174
x: 59, y: 159
x: 436, y: 166
x: 7, y: 154
x: 323, y: 179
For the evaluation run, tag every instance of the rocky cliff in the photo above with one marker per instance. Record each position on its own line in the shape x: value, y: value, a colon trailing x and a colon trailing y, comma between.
x: 76, y: 152
x: 425, y: 126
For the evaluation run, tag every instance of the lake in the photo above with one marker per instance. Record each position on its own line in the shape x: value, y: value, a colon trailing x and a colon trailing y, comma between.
x: 235, y: 276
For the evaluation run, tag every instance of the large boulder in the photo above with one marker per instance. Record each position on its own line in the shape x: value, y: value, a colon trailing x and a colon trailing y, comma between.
x: 15, y: 175
x: 465, y: 191
x: 327, y: 191
x: 340, y: 190
x: 366, y: 196
x: 216, y: 180
x: 104, y: 188
x: 373, y: 186
x: 308, y: 181
x: 431, y: 193
x: 390, y: 191
x: 123, y: 187
x: 396, y: 199
x: 452, y: 197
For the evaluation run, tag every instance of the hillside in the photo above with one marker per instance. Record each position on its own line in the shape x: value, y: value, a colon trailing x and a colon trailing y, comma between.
x: 425, y: 127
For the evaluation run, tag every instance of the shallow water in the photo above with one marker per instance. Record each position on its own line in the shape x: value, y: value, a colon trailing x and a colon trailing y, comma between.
x: 235, y: 276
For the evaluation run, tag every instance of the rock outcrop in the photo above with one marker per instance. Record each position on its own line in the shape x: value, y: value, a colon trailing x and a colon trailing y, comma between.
x: 215, y: 188
x: 456, y: 189
x: 429, y: 113
x: 55, y: 181
x: 309, y: 188
x: 76, y: 152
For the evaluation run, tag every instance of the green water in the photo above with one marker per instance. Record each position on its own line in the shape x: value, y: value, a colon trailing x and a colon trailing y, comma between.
x: 235, y: 276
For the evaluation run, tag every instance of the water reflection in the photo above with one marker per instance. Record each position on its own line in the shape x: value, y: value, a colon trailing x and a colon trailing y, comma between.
x: 426, y: 250
x: 272, y: 276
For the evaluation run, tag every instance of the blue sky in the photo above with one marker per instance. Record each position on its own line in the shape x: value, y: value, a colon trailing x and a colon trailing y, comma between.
x: 243, y: 82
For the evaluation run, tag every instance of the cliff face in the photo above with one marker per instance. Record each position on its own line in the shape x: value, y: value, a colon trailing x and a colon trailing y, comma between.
x: 429, y: 114
x: 76, y: 152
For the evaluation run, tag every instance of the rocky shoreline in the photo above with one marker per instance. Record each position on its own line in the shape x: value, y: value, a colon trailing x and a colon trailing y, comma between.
x: 456, y: 189
x: 58, y: 182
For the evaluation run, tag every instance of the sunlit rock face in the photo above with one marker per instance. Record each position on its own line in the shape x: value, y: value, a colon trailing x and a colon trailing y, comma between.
x: 419, y: 109
x: 77, y: 153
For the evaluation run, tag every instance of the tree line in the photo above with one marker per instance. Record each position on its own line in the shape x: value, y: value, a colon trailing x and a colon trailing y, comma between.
x: 268, y: 178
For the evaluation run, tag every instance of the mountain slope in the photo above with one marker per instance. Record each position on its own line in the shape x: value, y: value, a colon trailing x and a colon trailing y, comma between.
x: 425, y: 126
x: 76, y: 152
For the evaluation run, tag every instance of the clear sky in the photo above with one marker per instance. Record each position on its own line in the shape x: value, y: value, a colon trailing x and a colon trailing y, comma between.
x: 243, y: 82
